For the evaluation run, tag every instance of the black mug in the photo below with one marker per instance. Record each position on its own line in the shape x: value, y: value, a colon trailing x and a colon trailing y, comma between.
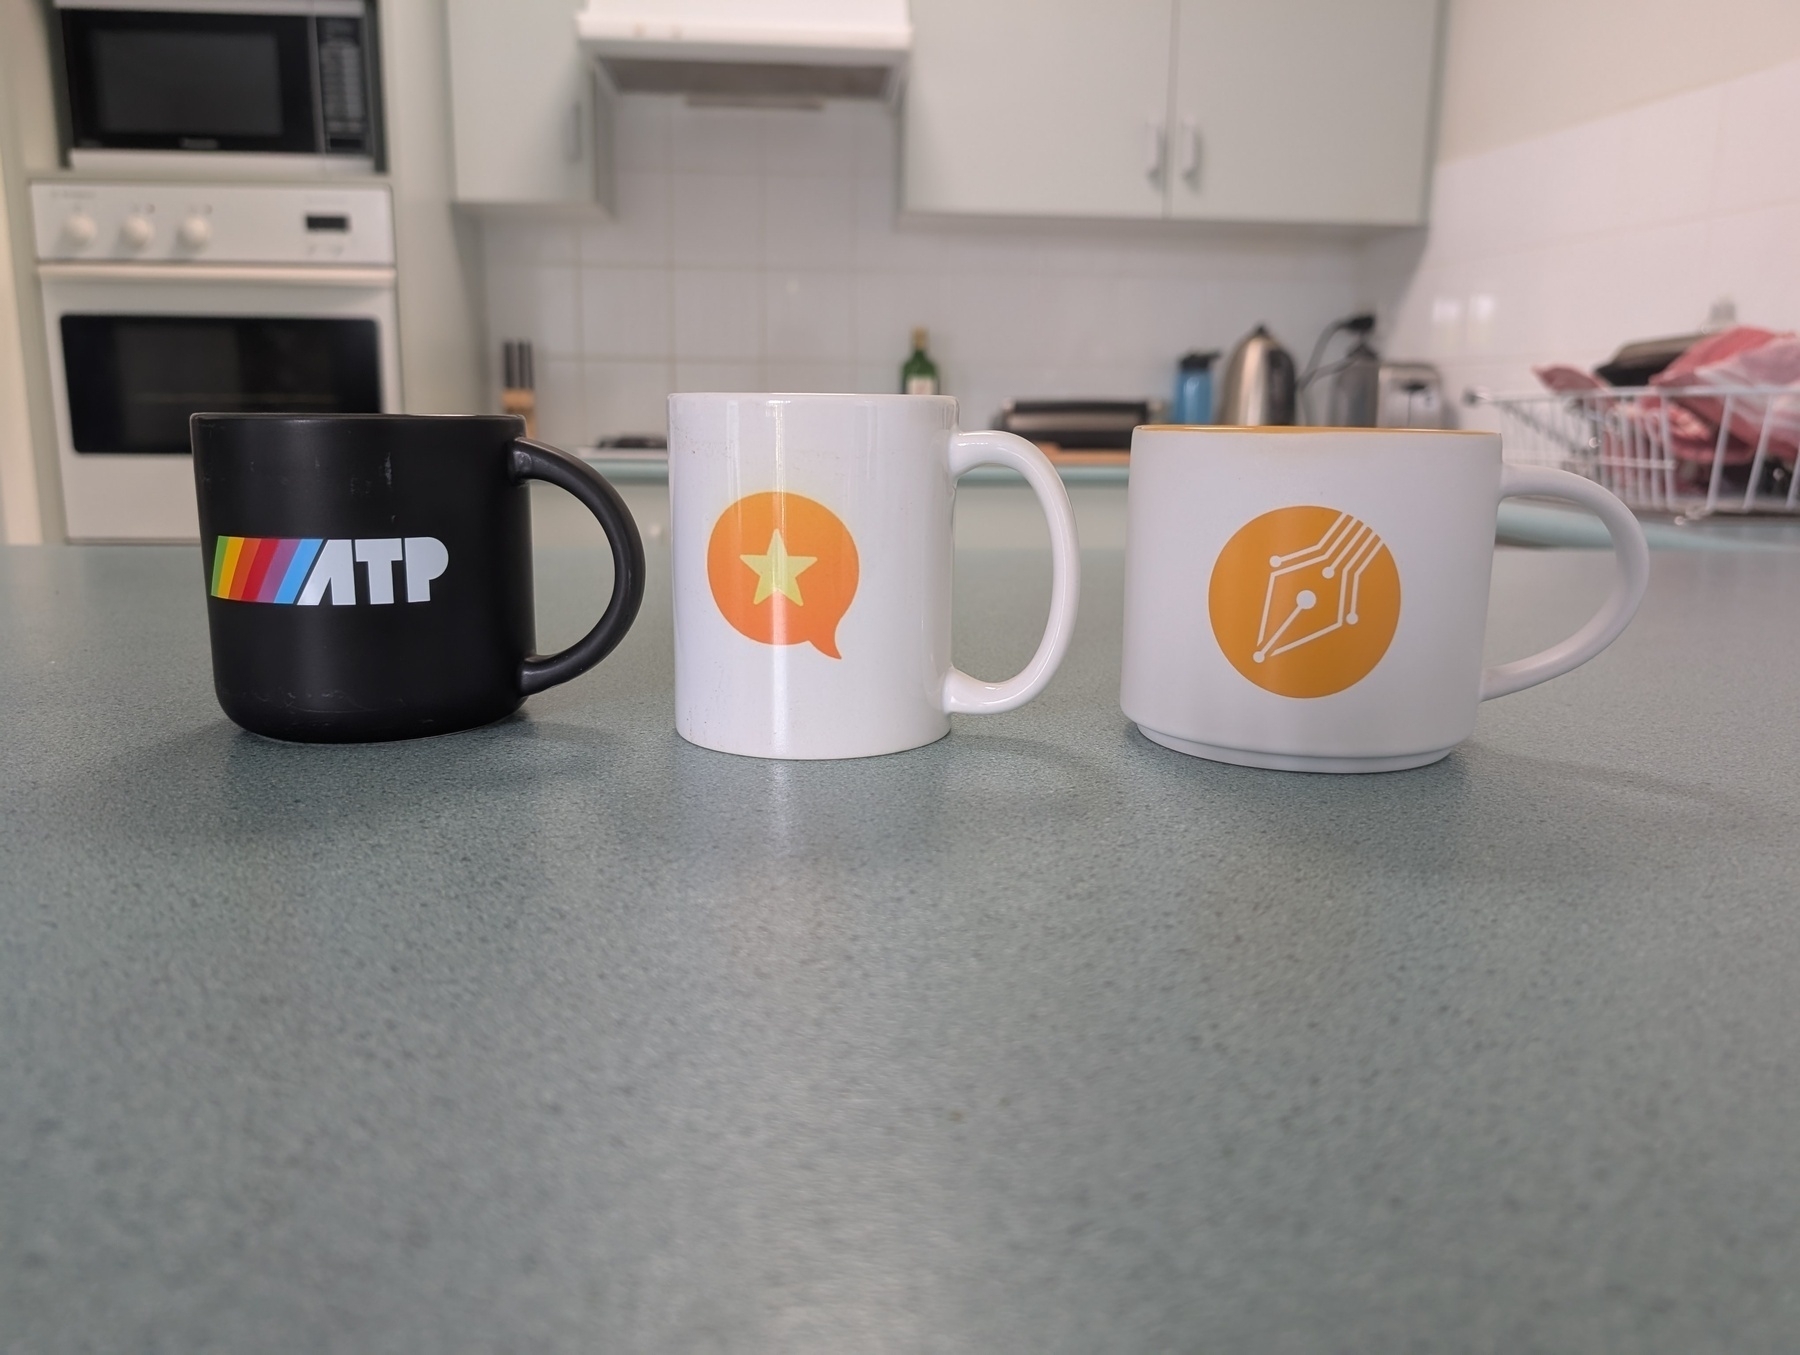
x: 368, y: 576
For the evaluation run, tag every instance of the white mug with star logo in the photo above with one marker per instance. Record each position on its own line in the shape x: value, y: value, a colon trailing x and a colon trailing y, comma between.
x: 1314, y: 599
x: 812, y: 553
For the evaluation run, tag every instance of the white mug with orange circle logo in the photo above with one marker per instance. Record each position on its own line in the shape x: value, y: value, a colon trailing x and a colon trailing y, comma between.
x: 1314, y: 599
x: 812, y: 552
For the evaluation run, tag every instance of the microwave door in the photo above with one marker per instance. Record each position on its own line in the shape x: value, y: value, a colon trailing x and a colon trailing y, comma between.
x: 190, y: 81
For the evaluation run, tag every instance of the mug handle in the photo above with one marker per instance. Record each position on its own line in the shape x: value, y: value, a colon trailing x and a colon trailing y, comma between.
x: 1632, y: 552
x: 536, y: 461
x: 966, y: 695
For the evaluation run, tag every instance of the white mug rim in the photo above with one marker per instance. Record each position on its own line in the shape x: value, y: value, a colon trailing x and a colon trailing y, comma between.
x: 832, y: 396
x: 1315, y: 430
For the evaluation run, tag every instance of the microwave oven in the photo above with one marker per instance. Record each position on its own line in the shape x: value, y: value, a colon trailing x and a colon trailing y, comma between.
x: 287, y: 83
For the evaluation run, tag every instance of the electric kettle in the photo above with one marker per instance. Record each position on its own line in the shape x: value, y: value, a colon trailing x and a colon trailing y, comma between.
x: 1258, y: 386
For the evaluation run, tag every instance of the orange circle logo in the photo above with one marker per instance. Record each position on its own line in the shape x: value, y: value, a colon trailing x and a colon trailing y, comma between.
x: 783, y: 570
x: 1305, y: 600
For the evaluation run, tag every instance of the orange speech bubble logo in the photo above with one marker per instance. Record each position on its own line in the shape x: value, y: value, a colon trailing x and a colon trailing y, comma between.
x: 783, y: 570
x: 1305, y: 600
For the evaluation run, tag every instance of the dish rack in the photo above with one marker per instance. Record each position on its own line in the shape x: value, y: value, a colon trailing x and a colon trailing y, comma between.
x: 1691, y: 451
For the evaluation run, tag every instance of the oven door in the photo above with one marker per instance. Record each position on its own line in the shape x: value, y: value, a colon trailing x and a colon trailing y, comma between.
x: 264, y: 77
x: 136, y: 349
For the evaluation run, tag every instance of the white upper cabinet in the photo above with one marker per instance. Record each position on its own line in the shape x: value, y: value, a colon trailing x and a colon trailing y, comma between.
x: 522, y: 104
x: 1303, y: 110
x: 1223, y: 110
x: 1047, y: 108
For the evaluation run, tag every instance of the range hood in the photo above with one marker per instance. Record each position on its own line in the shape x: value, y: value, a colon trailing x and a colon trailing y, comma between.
x: 750, y: 51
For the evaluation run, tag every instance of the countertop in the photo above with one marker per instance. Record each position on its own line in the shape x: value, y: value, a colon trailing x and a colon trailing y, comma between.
x: 562, y: 1035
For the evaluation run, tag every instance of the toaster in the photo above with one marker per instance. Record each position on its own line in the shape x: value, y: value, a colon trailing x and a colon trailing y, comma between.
x: 1086, y: 424
x: 1410, y: 395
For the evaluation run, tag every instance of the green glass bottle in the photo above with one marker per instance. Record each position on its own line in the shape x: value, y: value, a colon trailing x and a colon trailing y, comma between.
x: 919, y: 374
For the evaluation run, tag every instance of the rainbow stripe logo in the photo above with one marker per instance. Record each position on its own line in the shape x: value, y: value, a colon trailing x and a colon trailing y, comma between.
x: 309, y: 570
x: 262, y: 568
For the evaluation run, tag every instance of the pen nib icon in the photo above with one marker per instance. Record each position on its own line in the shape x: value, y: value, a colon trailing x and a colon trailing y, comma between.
x: 1305, y: 600
x: 1333, y: 567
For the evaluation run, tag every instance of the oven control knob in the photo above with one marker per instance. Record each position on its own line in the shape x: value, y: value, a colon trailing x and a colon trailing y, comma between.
x: 79, y: 230
x: 195, y: 232
x: 138, y: 230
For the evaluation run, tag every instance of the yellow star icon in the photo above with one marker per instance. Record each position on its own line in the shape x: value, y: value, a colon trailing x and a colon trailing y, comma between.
x: 779, y: 572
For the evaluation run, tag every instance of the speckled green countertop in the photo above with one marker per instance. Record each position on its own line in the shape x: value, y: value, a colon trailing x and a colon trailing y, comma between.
x: 565, y: 1036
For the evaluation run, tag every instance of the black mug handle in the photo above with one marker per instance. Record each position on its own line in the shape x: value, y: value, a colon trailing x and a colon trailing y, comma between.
x: 535, y: 461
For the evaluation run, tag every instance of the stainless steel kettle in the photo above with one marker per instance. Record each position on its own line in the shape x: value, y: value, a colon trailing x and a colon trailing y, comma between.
x: 1258, y: 387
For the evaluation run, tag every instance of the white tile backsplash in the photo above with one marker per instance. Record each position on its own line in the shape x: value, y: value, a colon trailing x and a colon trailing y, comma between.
x: 630, y: 395
x: 562, y: 387
x: 694, y: 375
x: 810, y: 222
x: 714, y: 140
x: 762, y: 249
x: 625, y: 313
x: 716, y: 219
x: 787, y: 375
x: 1759, y: 153
x: 641, y: 235
x: 536, y: 302
x: 807, y: 315
x: 719, y: 314
x: 799, y: 141
x: 1563, y: 247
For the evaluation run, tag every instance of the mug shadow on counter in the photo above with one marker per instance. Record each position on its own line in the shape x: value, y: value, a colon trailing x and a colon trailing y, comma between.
x: 219, y: 782
x: 1480, y: 817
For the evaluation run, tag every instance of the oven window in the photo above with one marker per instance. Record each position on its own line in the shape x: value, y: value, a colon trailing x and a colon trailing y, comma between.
x: 134, y: 379
x: 144, y: 80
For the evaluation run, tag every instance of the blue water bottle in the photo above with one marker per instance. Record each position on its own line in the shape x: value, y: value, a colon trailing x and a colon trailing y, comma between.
x: 1193, y: 389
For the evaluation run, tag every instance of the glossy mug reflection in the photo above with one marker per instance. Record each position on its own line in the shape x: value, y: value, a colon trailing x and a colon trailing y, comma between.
x: 1315, y: 599
x: 812, y: 553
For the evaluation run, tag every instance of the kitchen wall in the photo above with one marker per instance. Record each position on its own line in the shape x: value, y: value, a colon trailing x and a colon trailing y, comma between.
x: 1560, y: 247
x: 761, y: 249
x: 1516, y: 69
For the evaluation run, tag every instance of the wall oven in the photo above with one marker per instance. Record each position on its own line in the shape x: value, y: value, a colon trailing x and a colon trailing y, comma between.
x: 162, y: 300
x: 218, y: 85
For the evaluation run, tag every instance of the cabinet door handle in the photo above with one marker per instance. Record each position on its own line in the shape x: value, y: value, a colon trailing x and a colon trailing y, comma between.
x: 1155, y: 141
x: 1190, y: 151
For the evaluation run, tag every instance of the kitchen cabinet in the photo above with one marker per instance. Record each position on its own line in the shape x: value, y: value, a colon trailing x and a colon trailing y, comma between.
x: 1283, y: 110
x: 1051, y: 109
x: 524, y: 105
x: 1302, y: 110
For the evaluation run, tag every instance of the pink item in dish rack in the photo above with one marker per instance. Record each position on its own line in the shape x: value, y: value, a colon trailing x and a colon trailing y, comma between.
x: 1695, y: 438
x: 1713, y: 348
x: 1742, y: 356
x: 1776, y: 363
x: 1567, y: 380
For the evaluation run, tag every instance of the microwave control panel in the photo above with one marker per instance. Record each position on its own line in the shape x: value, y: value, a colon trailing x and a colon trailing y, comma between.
x: 201, y: 224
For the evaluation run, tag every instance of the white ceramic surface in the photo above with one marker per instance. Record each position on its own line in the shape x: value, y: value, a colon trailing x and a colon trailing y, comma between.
x: 1425, y: 500
x: 883, y: 469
